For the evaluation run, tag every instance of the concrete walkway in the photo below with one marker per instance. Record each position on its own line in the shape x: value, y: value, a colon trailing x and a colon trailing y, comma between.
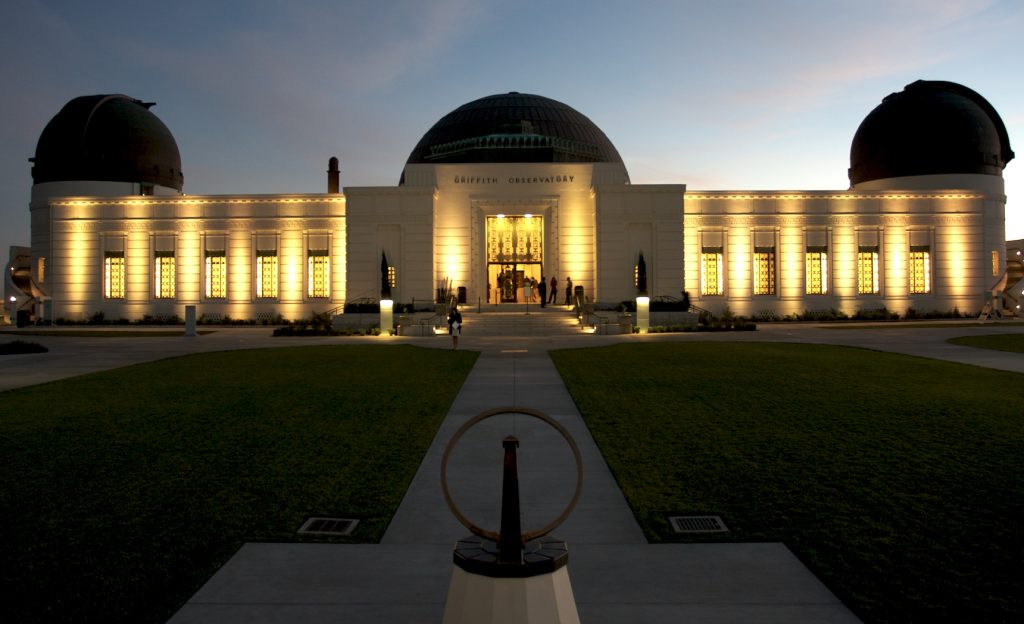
x: 617, y: 576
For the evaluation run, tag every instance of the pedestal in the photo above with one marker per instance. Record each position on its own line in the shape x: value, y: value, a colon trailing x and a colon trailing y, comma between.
x: 190, y: 320
x: 484, y: 591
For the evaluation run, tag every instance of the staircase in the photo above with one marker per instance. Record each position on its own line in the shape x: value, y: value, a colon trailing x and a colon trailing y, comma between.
x: 512, y: 319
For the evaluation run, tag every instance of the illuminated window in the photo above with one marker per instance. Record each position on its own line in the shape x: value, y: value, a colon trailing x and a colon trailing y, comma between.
x: 392, y: 276
x: 163, y: 272
x: 711, y: 271
x: 764, y: 270
x: 41, y: 269
x: 318, y: 282
x: 216, y: 275
x: 816, y: 262
x: 113, y: 275
x: 266, y: 274
x: 995, y: 263
x: 867, y: 270
x: 920, y: 270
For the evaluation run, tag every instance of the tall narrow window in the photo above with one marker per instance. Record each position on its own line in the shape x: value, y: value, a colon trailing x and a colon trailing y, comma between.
x: 266, y: 274
x: 41, y: 269
x: 319, y: 274
x: 164, y: 274
x: 764, y: 270
x: 113, y: 275
x: 995, y: 263
x: 816, y: 261
x: 711, y: 271
x: 920, y: 270
x: 216, y: 275
x: 392, y: 277
x: 867, y: 270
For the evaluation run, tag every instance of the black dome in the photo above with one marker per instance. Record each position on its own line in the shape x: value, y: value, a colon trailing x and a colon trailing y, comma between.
x: 111, y: 138
x: 514, y: 128
x: 931, y: 127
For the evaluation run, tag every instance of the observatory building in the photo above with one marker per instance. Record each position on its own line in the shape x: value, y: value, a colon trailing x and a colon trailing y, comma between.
x: 507, y: 188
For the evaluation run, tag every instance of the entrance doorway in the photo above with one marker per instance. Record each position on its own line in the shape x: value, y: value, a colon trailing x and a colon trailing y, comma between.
x: 513, y: 282
x: 515, y: 248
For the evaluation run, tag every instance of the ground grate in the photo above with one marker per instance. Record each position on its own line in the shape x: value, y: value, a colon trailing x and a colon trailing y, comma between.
x: 697, y: 524
x: 328, y: 526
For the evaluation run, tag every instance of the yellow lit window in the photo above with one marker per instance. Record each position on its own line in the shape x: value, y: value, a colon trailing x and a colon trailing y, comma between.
x: 216, y: 276
x: 319, y: 278
x: 711, y: 272
x: 816, y: 261
x: 113, y: 276
x: 920, y: 270
x: 41, y: 269
x: 995, y: 263
x: 867, y: 271
x: 392, y: 277
x: 164, y: 272
x: 266, y: 275
x: 764, y: 271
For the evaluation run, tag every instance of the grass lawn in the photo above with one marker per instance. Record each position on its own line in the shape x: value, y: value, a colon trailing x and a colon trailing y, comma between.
x: 897, y: 480
x: 1000, y: 342
x: 122, y: 492
x: 104, y: 333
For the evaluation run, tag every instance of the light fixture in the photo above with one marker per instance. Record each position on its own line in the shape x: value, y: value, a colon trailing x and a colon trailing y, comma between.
x: 501, y: 215
x: 13, y: 299
x: 528, y: 215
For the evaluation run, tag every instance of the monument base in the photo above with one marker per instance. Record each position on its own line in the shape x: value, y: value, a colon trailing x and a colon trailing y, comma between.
x: 541, y: 599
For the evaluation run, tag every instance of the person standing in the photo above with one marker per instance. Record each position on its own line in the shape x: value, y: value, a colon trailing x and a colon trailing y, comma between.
x: 554, y: 290
x: 542, y: 290
x: 568, y: 290
x: 455, y: 326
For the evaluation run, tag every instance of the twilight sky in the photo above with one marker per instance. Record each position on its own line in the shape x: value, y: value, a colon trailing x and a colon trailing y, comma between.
x: 714, y: 94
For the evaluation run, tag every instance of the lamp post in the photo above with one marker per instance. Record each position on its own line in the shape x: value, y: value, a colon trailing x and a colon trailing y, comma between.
x: 643, y: 302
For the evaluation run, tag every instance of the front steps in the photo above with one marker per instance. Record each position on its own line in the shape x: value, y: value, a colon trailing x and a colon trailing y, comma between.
x: 501, y: 320
x: 509, y: 319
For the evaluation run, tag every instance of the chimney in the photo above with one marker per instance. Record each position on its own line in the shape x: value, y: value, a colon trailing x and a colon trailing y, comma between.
x: 333, y: 176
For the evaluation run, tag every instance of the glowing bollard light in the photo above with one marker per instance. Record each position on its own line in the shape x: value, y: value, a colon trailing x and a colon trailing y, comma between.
x: 643, y: 313
x: 387, y: 315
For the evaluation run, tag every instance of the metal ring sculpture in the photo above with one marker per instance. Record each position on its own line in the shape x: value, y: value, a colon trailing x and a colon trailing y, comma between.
x: 528, y: 535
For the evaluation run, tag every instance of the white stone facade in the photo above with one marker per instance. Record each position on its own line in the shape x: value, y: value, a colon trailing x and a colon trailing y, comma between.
x: 433, y: 231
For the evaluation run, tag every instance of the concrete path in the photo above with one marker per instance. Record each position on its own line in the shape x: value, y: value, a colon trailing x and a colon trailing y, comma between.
x: 616, y: 575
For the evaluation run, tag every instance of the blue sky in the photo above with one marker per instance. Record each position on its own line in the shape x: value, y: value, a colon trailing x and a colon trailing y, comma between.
x: 716, y: 95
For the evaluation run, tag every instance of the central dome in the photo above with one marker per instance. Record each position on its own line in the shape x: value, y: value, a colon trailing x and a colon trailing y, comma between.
x: 514, y: 128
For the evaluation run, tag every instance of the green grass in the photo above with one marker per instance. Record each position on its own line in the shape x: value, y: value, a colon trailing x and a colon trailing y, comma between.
x: 104, y: 333
x: 999, y: 342
x: 897, y: 480
x: 122, y: 492
x: 936, y: 324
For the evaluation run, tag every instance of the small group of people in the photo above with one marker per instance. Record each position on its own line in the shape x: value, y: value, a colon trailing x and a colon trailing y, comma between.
x: 553, y: 297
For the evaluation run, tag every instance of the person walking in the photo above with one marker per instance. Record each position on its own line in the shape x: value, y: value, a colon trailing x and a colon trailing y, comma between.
x: 568, y: 291
x: 455, y: 326
x: 554, y: 290
x: 542, y: 290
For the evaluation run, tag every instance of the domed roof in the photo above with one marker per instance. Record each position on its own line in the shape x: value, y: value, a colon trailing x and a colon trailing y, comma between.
x: 514, y: 128
x: 931, y: 127
x: 107, y: 138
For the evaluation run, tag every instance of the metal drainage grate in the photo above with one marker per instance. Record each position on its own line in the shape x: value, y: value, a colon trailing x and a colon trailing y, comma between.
x: 328, y: 526
x: 697, y: 524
